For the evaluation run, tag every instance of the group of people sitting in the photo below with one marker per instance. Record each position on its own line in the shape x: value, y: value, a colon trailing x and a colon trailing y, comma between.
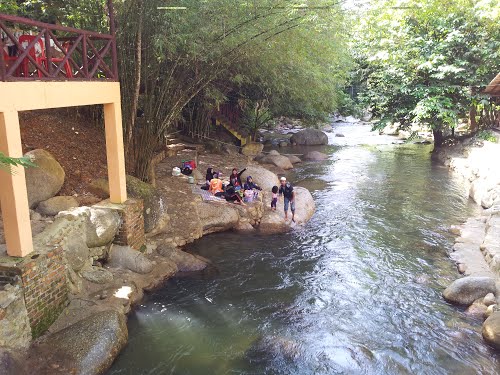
x: 233, y: 190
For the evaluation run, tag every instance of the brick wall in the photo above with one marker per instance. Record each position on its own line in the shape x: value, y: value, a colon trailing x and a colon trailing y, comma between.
x: 131, y: 230
x: 42, y: 278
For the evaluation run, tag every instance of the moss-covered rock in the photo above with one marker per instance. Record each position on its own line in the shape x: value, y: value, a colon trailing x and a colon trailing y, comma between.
x: 155, y: 208
x: 46, y: 179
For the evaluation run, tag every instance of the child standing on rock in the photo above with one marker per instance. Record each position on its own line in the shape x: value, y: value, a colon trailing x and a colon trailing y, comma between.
x: 275, y: 198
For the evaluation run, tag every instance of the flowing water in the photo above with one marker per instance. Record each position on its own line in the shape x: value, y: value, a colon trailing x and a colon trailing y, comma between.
x: 355, y: 291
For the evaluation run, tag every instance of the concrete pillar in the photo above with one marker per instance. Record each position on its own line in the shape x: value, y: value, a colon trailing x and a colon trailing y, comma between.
x: 13, y: 192
x: 115, y: 153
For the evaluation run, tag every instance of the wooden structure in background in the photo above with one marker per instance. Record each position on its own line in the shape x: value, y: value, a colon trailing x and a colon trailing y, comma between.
x: 94, y: 80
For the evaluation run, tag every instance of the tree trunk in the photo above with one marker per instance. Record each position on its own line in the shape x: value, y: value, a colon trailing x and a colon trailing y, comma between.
x: 137, y: 79
x: 438, y: 137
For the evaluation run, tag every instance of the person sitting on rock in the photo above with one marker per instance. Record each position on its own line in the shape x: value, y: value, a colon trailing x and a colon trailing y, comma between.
x: 216, y: 187
x: 250, y: 185
x: 235, y: 179
x: 232, y: 195
x: 208, y: 177
x: 251, y: 190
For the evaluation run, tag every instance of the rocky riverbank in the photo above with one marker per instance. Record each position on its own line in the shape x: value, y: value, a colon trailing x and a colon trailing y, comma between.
x: 105, y: 280
x: 477, y: 248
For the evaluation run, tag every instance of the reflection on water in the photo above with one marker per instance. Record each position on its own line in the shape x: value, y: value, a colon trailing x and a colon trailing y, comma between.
x: 356, y: 291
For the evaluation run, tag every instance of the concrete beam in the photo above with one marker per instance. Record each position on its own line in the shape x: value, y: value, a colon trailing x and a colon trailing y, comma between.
x: 13, y: 192
x: 115, y: 153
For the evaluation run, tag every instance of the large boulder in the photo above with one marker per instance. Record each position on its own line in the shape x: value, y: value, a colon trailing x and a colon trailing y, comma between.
x: 101, y: 224
x: 252, y: 149
x: 10, y: 363
x: 76, y: 252
x: 277, y: 160
x: 315, y: 156
x: 309, y: 137
x: 54, y: 205
x: 294, y: 159
x: 274, y: 221
x: 261, y: 176
x: 216, y: 217
x: 127, y: 258
x: 155, y: 207
x: 86, y: 348
x: 97, y: 275
x: 491, y: 330
x: 185, y: 262
x: 154, y: 202
x: 466, y: 290
x: 46, y: 179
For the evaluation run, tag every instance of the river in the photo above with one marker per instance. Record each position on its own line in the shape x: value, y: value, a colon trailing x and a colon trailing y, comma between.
x: 355, y: 291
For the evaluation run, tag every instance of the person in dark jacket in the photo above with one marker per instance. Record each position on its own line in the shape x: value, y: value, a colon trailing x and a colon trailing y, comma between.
x: 235, y: 178
x: 250, y: 185
x: 208, y: 177
x: 286, y: 189
x: 232, y: 195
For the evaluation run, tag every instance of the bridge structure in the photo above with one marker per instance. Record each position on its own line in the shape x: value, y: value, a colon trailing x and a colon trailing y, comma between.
x: 52, y: 66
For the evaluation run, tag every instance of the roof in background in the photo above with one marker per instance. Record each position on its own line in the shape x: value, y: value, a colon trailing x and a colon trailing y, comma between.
x: 493, y: 88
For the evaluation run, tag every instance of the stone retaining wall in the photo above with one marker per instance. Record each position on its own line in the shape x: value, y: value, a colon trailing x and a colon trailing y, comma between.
x: 42, y: 278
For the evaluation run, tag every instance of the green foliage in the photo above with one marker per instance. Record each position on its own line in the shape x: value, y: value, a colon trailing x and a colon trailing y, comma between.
x: 487, y: 135
x: 6, y: 163
x: 256, y: 116
x: 89, y: 14
x: 219, y: 50
x: 426, y: 61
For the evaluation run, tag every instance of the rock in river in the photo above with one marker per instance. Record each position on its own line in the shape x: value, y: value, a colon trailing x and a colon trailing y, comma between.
x: 491, y: 330
x: 88, y: 347
x: 309, y: 137
x: 315, y: 156
x: 185, y: 262
x: 466, y: 290
x: 277, y: 160
x: 294, y: 159
x: 261, y: 176
x: 128, y: 258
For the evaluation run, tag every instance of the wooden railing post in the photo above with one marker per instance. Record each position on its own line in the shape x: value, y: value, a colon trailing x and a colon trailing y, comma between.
x: 85, y: 57
x: 3, y: 68
x: 48, y: 53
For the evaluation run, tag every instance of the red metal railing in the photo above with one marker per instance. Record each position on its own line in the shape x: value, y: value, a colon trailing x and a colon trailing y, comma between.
x: 67, y: 53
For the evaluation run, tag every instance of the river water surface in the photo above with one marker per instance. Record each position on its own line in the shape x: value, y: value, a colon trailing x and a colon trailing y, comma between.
x: 355, y: 291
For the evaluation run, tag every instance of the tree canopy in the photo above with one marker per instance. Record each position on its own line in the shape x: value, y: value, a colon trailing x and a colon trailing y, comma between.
x: 411, y: 61
x: 427, y: 61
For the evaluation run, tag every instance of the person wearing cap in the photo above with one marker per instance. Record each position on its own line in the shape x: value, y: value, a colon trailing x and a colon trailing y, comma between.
x: 286, y: 189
